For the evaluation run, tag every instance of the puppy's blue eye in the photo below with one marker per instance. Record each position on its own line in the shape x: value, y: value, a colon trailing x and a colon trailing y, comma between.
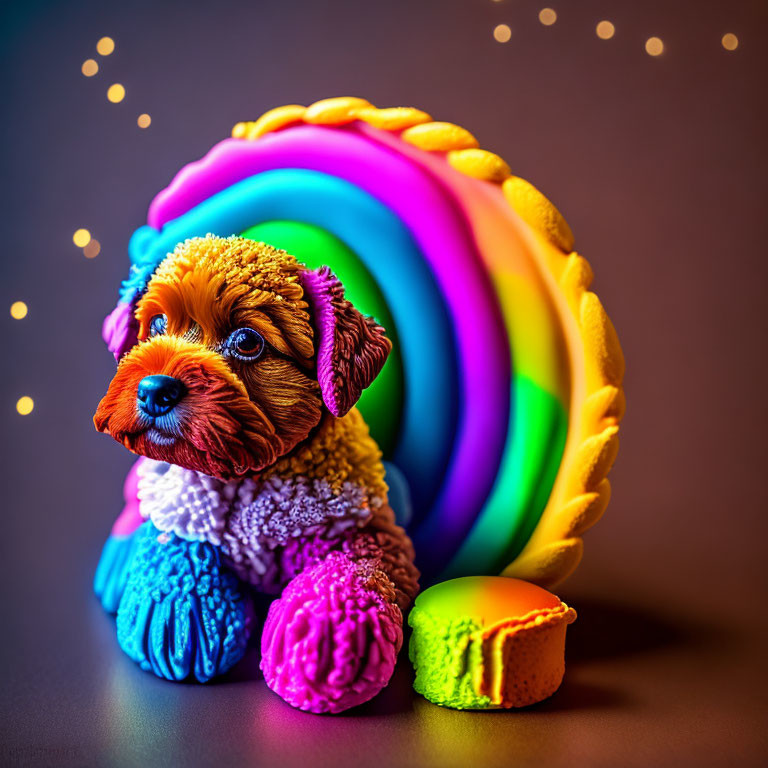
x: 245, y: 344
x: 157, y: 325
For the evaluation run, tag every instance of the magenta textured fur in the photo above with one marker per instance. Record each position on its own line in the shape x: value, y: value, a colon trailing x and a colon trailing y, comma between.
x: 330, y: 641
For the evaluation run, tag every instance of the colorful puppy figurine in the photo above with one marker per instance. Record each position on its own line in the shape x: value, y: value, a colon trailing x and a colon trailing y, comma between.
x: 257, y: 473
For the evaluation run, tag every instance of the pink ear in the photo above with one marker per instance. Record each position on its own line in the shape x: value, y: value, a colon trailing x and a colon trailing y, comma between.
x: 351, y: 348
x: 120, y: 330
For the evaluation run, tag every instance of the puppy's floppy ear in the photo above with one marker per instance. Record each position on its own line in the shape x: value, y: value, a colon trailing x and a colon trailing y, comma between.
x: 351, y: 348
x: 120, y: 329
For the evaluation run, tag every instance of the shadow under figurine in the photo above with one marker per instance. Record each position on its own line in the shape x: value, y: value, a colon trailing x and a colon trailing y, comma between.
x: 256, y: 472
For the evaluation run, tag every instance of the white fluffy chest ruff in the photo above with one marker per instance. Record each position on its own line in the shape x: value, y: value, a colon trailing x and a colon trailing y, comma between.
x: 260, y: 514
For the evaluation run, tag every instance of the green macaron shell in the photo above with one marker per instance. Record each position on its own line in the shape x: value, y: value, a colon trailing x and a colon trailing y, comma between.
x: 445, y: 660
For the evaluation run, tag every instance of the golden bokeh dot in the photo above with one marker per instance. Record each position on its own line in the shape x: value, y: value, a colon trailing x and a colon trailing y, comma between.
x: 654, y: 46
x: 105, y: 46
x: 24, y: 405
x: 144, y: 120
x: 605, y: 30
x: 547, y: 17
x: 89, y: 68
x: 92, y: 250
x: 116, y: 93
x: 81, y: 238
x: 730, y: 41
x: 18, y: 310
x: 502, y: 33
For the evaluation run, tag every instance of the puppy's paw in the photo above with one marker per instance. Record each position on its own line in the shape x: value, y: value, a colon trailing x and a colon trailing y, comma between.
x: 182, y: 614
x: 330, y: 642
x: 113, y: 569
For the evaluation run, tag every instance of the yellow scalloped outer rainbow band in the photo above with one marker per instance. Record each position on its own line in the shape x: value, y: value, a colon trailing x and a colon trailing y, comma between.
x: 581, y: 489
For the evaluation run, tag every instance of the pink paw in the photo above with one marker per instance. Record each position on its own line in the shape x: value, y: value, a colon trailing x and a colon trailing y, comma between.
x: 331, y: 640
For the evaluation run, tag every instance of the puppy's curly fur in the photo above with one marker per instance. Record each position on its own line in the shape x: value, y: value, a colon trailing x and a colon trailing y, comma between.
x: 237, y: 417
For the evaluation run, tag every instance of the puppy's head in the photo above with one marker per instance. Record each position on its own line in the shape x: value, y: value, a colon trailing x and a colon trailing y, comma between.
x: 240, y: 350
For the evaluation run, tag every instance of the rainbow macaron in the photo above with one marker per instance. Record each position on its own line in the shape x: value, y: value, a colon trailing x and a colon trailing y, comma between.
x: 488, y: 642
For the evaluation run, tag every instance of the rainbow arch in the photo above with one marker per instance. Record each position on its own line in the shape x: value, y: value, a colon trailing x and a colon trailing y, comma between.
x: 501, y: 401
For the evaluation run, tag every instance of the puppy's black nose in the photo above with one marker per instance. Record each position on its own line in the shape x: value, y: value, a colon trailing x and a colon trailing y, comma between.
x: 159, y: 394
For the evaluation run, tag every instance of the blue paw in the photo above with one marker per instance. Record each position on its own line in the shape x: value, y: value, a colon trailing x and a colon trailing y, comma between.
x: 182, y: 614
x: 112, y: 570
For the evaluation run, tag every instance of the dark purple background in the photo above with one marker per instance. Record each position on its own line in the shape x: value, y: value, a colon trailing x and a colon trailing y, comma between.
x: 660, y: 167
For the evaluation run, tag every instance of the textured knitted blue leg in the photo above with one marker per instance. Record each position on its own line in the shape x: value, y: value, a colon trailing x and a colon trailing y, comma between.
x: 182, y: 613
x: 113, y: 568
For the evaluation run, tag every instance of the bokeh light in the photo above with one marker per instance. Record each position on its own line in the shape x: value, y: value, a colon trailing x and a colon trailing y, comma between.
x: 116, y: 93
x: 144, y: 120
x: 605, y: 30
x: 547, y: 17
x: 92, y: 250
x: 89, y: 68
x: 730, y: 41
x: 18, y: 310
x: 654, y: 46
x: 24, y: 405
x: 81, y: 238
x: 105, y: 46
x: 502, y: 33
